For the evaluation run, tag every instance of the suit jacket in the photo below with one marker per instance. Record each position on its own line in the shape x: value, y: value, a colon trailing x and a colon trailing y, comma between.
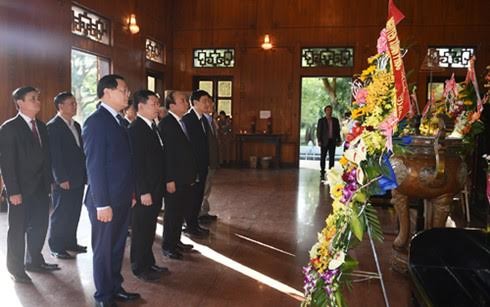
x: 110, y: 171
x: 322, y: 131
x: 148, y: 159
x: 213, y: 145
x: 25, y: 166
x: 199, y: 140
x: 68, y: 159
x: 180, y: 161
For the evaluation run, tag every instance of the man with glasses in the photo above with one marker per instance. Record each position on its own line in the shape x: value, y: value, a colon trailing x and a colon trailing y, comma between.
x: 26, y: 169
x: 149, y: 167
x: 68, y: 165
x: 110, y: 188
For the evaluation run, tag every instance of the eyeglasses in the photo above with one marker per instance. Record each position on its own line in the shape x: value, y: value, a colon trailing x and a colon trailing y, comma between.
x: 124, y: 91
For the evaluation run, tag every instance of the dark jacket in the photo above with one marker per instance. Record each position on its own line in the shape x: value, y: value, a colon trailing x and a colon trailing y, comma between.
x: 199, y: 140
x: 67, y: 158
x: 322, y: 131
x: 148, y: 159
x: 180, y: 161
x: 109, y: 163
x: 25, y: 165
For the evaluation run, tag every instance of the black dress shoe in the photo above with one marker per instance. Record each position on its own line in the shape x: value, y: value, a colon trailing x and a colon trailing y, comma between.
x: 160, y: 269
x: 43, y: 267
x: 172, y: 254
x: 22, y: 278
x: 62, y: 255
x: 207, y: 218
x: 202, y: 230
x: 77, y: 249
x: 149, y: 276
x: 194, y: 232
x: 105, y: 304
x: 184, y: 247
x: 122, y: 295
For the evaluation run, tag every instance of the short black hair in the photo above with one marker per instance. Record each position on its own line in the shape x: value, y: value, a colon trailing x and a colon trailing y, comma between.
x: 107, y: 81
x: 222, y: 113
x: 197, y: 94
x: 20, y: 93
x: 60, y: 98
x: 327, y: 107
x: 142, y: 96
x: 169, y: 99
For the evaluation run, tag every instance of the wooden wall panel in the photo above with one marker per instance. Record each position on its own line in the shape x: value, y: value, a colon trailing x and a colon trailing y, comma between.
x: 36, y: 44
x: 272, y: 79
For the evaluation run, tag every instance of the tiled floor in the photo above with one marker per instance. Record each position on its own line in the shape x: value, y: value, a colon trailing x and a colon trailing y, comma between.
x: 268, y: 220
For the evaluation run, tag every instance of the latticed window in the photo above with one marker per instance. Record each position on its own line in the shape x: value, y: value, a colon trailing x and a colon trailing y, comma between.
x: 327, y: 57
x: 455, y: 57
x: 217, y: 57
x: 155, y: 51
x: 90, y: 25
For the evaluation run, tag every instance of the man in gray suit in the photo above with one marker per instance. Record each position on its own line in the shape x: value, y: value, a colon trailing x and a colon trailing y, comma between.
x: 204, y: 216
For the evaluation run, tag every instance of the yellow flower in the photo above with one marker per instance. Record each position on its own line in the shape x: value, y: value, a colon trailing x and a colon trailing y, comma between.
x: 343, y: 161
x: 468, y: 102
x: 336, y: 191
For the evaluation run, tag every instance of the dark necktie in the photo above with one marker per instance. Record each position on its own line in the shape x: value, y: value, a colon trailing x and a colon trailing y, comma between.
x: 35, y: 133
x: 155, y: 130
x: 121, y: 121
x: 182, y: 125
x: 204, y: 123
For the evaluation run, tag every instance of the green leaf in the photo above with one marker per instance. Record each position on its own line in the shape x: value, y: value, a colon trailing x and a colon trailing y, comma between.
x: 356, y: 227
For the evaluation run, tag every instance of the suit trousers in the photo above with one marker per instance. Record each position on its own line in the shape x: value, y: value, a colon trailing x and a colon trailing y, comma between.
x: 108, y: 242
x: 330, y: 149
x: 176, y: 204
x: 207, y: 191
x: 64, y: 218
x: 27, y: 222
x: 191, y: 217
x: 143, y: 226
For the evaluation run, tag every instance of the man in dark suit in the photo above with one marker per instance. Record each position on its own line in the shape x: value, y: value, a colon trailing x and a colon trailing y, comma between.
x: 198, y: 128
x: 328, y: 136
x: 180, y: 174
x: 110, y: 173
x: 149, y: 167
x: 26, y: 169
x: 68, y: 166
x: 204, y: 216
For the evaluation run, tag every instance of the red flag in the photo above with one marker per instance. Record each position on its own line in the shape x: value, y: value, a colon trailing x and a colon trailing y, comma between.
x: 394, y: 12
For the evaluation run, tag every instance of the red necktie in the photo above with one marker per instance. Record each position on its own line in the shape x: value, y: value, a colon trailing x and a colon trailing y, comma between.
x: 35, y: 134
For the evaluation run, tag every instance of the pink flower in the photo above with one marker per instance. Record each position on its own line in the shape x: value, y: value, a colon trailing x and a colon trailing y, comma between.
x: 382, y: 44
x: 361, y: 96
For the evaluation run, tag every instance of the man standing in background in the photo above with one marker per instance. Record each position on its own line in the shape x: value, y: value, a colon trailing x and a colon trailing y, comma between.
x: 328, y: 137
x: 68, y: 165
x: 26, y: 169
x: 149, y: 161
x: 204, y: 216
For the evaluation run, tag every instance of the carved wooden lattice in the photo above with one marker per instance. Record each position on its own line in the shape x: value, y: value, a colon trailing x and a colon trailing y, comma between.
x: 90, y: 25
x: 327, y: 57
x: 224, y: 57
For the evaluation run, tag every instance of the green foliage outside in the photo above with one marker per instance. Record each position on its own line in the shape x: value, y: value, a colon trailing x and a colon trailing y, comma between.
x: 315, y: 96
x: 85, y: 72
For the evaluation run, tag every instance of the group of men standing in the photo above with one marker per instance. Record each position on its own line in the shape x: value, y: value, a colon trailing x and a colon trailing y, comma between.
x: 124, y: 167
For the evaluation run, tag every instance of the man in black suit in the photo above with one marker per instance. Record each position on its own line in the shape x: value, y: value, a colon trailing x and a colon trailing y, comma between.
x: 204, y: 216
x: 26, y: 169
x: 110, y: 174
x: 180, y: 174
x: 198, y: 129
x: 328, y: 136
x: 148, y: 153
x: 68, y: 166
